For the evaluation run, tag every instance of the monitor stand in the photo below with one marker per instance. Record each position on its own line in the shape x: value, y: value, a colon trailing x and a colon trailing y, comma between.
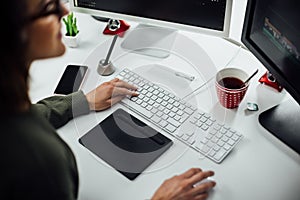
x: 150, y: 40
x: 283, y: 122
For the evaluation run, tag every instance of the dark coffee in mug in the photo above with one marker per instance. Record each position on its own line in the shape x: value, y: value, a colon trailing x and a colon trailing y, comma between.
x: 231, y: 83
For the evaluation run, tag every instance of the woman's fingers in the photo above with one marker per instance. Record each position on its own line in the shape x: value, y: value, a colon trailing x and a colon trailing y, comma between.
x: 200, y: 176
x: 191, y: 172
x: 120, y: 91
x: 123, y: 88
x: 123, y: 84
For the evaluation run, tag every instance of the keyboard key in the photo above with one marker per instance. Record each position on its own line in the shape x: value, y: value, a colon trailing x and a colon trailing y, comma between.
x: 209, y: 136
x: 154, y: 110
x: 156, y: 119
x: 209, y: 122
x: 231, y: 142
x: 163, y: 123
x: 170, y: 128
x: 212, y: 153
x: 227, y: 147
x: 220, y: 154
x: 177, y: 118
x: 188, y: 111
x: 173, y: 122
x: 205, y: 149
x: 220, y: 143
x: 191, y: 141
x: 235, y: 137
x: 216, y: 148
x: 203, y: 119
x: 179, y: 134
x: 185, y: 137
x: 224, y: 138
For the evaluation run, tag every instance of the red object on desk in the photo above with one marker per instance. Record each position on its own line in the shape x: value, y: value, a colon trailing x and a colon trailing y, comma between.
x: 269, y: 80
x: 121, y: 31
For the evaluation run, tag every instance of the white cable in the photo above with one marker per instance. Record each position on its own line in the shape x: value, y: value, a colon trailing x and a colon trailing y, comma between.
x: 227, y: 64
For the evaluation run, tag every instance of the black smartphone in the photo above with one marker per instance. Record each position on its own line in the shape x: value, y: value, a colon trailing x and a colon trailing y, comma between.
x: 71, y: 79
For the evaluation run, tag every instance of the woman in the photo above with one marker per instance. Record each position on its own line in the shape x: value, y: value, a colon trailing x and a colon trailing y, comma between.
x: 36, y: 162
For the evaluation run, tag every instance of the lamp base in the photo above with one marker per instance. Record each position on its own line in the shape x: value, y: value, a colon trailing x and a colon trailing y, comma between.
x: 105, y: 69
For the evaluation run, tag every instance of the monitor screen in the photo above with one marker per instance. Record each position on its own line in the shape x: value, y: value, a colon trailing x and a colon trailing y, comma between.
x: 272, y: 33
x: 206, y: 16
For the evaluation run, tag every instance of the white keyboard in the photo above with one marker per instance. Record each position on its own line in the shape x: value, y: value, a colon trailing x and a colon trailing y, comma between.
x: 177, y: 117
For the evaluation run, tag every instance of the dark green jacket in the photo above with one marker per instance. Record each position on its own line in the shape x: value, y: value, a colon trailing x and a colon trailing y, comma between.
x: 35, y: 162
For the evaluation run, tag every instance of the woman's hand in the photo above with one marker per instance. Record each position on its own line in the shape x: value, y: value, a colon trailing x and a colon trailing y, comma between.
x: 181, y: 187
x: 109, y: 93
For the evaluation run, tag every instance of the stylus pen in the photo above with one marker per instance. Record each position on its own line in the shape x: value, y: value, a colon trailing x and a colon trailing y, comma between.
x: 188, y: 77
x: 110, y: 49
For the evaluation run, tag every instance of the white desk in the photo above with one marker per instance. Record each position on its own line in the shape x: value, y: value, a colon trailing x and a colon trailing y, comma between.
x: 260, y: 167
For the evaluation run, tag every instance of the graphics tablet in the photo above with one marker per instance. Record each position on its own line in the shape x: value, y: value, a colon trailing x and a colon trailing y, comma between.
x: 125, y: 143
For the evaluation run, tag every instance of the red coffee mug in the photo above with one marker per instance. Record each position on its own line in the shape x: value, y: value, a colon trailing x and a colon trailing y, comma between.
x: 228, y: 86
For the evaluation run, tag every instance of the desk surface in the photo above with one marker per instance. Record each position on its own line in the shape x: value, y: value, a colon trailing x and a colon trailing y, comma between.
x: 260, y: 166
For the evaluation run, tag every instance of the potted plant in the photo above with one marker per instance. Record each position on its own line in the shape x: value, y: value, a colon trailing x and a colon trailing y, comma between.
x: 71, y: 36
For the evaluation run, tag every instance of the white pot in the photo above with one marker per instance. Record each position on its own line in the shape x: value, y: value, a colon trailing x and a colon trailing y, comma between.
x: 71, y: 41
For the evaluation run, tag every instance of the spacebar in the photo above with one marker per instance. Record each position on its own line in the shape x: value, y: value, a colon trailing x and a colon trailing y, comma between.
x: 138, y: 108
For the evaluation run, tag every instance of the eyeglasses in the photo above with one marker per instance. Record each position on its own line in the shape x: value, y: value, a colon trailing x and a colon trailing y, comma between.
x: 50, y: 8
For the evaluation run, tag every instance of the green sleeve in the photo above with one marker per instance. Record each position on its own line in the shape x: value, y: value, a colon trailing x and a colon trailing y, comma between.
x: 58, y: 110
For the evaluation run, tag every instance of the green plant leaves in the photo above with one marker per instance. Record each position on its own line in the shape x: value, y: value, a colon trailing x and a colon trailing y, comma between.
x: 71, y: 25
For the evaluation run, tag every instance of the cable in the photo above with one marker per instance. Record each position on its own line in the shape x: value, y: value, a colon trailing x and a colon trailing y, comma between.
x: 227, y: 64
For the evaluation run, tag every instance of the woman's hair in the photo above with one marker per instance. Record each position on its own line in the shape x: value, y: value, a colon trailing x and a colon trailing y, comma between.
x: 13, y: 69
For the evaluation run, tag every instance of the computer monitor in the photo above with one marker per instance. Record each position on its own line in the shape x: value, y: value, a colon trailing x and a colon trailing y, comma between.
x: 205, y: 16
x: 164, y: 17
x: 272, y: 33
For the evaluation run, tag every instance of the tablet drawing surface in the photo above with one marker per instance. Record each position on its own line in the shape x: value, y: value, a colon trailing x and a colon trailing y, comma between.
x: 125, y: 143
